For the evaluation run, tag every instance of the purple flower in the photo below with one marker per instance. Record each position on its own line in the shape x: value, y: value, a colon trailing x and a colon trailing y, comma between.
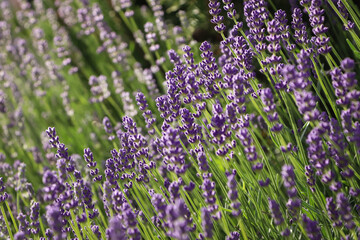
x: 206, y: 223
x: 343, y: 11
x: 319, y: 29
x: 124, y: 5
x: 96, y: 230
x: 274, y: 36
x: 230, y: 71
x: 288, y: 176
x: 159, y: 204
x: 2, y: 102
x: 210, y: 69
x: 312, y: 229
x: 62, y: 153
x: 209, y: 193
x: 286, y: 232
x: 280, y: 16
x: 34, y: 217
x: 299, y: 83
x: 24, y: 226
x: 20, y: 236
x: 220, y: 131
x: 61, y: 166
x: 310, y: 178
x: 233, y: 236
x: 256, y: 14
x: 107, y: 197
x: 275, y: 212
x: 217, y: 19
x: 231, y: 116
x: 3, y: 194
x: 189, y: 58
x: 333, y: 213
x: 189, y: 187
x: 160, y: 23
x: 54, y: 139
x: 264, y: 183
x: 337, y: 149
x: 141, y: 101
x: 99, y: 88
x: 55, y: 221
x: 163, y: 106
x: 91, y: 164
x: 49, y: 233
x: 270, y: 108
x: 174, y: 189
x: 130, y: 222
x: 208, y: 187
x: 116, y: 229
x: 111, y: 172
x: 190, y: 128
x: 202, y: 161
x: 229, y: 7
x: 300, y: 34
x: 293, y: 203
x: 174, y: 156
x: 345, y: 210
x: 344, y: 82
x: 233, y: 194
x: 316, y: 152
x: 107, y: 125
x: 53, y: 186
x: 179, y: 221
x: 243, y: 52
x: 354, y: 192
x: 87, y: 200
x: 150, y: 36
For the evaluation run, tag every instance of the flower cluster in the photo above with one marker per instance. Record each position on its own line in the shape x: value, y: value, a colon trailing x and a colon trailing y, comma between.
x: 166, y: 129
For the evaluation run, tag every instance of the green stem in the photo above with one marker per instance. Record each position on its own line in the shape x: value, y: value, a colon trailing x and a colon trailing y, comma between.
x: 242, y: 229
x: 42, y: 227
x: 11, y: 216
x: 327, y: 94
x: 74, y: 223
x: 351, y: 12
x: 6, y: 222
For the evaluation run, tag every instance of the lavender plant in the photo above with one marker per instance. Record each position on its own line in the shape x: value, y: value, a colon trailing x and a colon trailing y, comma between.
x: 248, y: 130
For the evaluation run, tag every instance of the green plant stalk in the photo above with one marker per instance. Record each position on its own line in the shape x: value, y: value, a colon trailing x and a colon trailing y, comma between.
x: 320, y: 81
x: 325, y: 90
x: 242, y: 154
x: 351, y: 12
x: 139, y: 202
x: 108, y: 113
x: 6, y: 222
x: 242, y: 228
x: 11, y: 216
x: 98, y: 200
x: 352, y: 32
x: 91, y: 235
x: 224, y: 225
x: 117, y: 107
x: 250, y: 44
x: 42, y: 227
x: 75, y: 226
x: 294, y: 128
x: 133, y: 27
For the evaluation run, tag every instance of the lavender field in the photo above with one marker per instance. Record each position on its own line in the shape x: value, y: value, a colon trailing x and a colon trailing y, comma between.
x: 179, y: 119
